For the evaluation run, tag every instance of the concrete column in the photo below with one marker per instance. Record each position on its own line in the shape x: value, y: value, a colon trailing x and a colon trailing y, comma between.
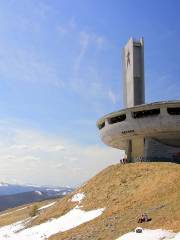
x: 128, y: 151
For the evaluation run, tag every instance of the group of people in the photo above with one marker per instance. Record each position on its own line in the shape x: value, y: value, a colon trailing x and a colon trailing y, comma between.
x: 144, y: 218
x: 123, y: 160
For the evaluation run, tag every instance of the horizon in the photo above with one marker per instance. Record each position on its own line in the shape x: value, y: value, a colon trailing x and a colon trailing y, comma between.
x: 61, y: 70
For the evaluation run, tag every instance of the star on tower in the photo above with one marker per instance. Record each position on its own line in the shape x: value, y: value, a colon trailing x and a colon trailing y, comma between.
x: 128, y: 58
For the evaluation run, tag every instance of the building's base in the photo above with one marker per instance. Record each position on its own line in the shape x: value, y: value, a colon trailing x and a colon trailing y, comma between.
x: 151, y: 150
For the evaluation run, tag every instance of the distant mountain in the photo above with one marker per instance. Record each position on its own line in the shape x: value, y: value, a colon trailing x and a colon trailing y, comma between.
x: 10, y: 201
x: 9, y: 189
x: 15, y: 195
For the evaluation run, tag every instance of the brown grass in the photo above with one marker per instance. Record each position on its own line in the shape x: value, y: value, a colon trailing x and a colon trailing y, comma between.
x: 16, y: 214
x: 127, y: 191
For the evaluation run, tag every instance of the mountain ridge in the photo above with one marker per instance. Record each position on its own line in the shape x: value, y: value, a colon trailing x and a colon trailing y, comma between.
x: 12, y: 195
x: 9, y: 189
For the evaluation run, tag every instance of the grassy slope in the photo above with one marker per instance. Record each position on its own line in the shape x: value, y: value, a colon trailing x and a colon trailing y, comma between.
x: 16, y: 214
x: 125, y: 191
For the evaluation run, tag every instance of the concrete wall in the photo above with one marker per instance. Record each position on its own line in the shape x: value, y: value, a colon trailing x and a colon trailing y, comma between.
x: 133, y: 73
x: 156, y: 151
x: 151, y: 150
x: 137, y: 149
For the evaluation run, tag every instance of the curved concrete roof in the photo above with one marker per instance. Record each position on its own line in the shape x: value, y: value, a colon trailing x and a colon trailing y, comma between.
x: 159, y: 120
x: 141, y: 107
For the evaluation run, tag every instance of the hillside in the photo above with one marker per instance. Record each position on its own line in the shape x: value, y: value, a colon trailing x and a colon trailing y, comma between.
x: 17, y: 195
x: 15, y: 200
x: 124, y: 192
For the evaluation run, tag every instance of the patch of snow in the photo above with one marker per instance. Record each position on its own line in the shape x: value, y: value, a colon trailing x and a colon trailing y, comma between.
x: 64, y: 193
x: 46, y: 206
x: 177, y: 237
x: 4, y: 184
x: 72, y: 219
x: 38, y: 192
x: 147, y: 234
x: 32, y: 185
x: 7, y: 231
x: 78, y: 197
x: 56, y: 190
x: 53, y: 189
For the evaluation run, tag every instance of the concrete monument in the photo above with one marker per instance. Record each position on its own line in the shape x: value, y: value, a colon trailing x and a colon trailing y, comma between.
x: 147, y: 132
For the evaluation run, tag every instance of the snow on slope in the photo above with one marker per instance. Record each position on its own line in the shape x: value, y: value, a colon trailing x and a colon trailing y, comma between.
x: 78, y: 197
x: 38, y: 192
x: 73, y: 218
x: 147, y: 234
x: 13, y: 228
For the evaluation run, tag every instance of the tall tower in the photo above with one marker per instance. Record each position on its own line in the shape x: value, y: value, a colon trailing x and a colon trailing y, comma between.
x: 133, y: 73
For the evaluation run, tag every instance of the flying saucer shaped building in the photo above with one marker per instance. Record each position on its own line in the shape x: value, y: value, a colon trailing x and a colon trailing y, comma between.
x: 147, y: 132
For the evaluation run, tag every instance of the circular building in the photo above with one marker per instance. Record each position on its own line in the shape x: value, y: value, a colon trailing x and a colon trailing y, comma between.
x: 147, y: 132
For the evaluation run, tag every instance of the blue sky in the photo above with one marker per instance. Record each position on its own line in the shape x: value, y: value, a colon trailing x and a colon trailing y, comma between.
x: 60, y: 70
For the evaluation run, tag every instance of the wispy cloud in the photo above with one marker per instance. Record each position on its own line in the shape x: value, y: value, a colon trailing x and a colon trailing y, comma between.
x: 25, y: 65
x: 87, y: 40
x: 85, y: 77
x: 67, y: 28
x: 20, y: 159
x: 171, y: 92
x: 112, y: 96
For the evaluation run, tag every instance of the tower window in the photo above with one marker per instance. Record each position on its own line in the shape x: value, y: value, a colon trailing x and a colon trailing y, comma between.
x: 146, y: 113
x: 101, y: 125
x: 174, y: 111
x: 117, y: 119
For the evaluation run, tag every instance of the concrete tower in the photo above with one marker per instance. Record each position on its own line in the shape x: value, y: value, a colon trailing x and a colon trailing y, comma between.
x: 133, y: 73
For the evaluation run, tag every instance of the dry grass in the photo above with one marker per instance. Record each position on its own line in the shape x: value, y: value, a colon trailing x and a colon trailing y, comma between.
x: 125, y: 191
x: 16, y: 214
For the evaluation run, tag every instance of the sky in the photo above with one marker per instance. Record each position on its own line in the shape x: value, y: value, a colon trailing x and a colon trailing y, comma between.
x: 61, y: 70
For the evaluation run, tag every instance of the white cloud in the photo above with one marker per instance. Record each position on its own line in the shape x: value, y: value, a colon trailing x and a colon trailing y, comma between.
x: 60, y: 165
x: 58, y: 148
x: 87, y: 80
x: 84, y: 40
x: 87, y: 40
x: 73, y: 159
x: 90, y: 85
x: 41, y: 165
x: 26, y: 65
x: 30, y: 158
x: 112, y: 96
x: 20, y: 146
